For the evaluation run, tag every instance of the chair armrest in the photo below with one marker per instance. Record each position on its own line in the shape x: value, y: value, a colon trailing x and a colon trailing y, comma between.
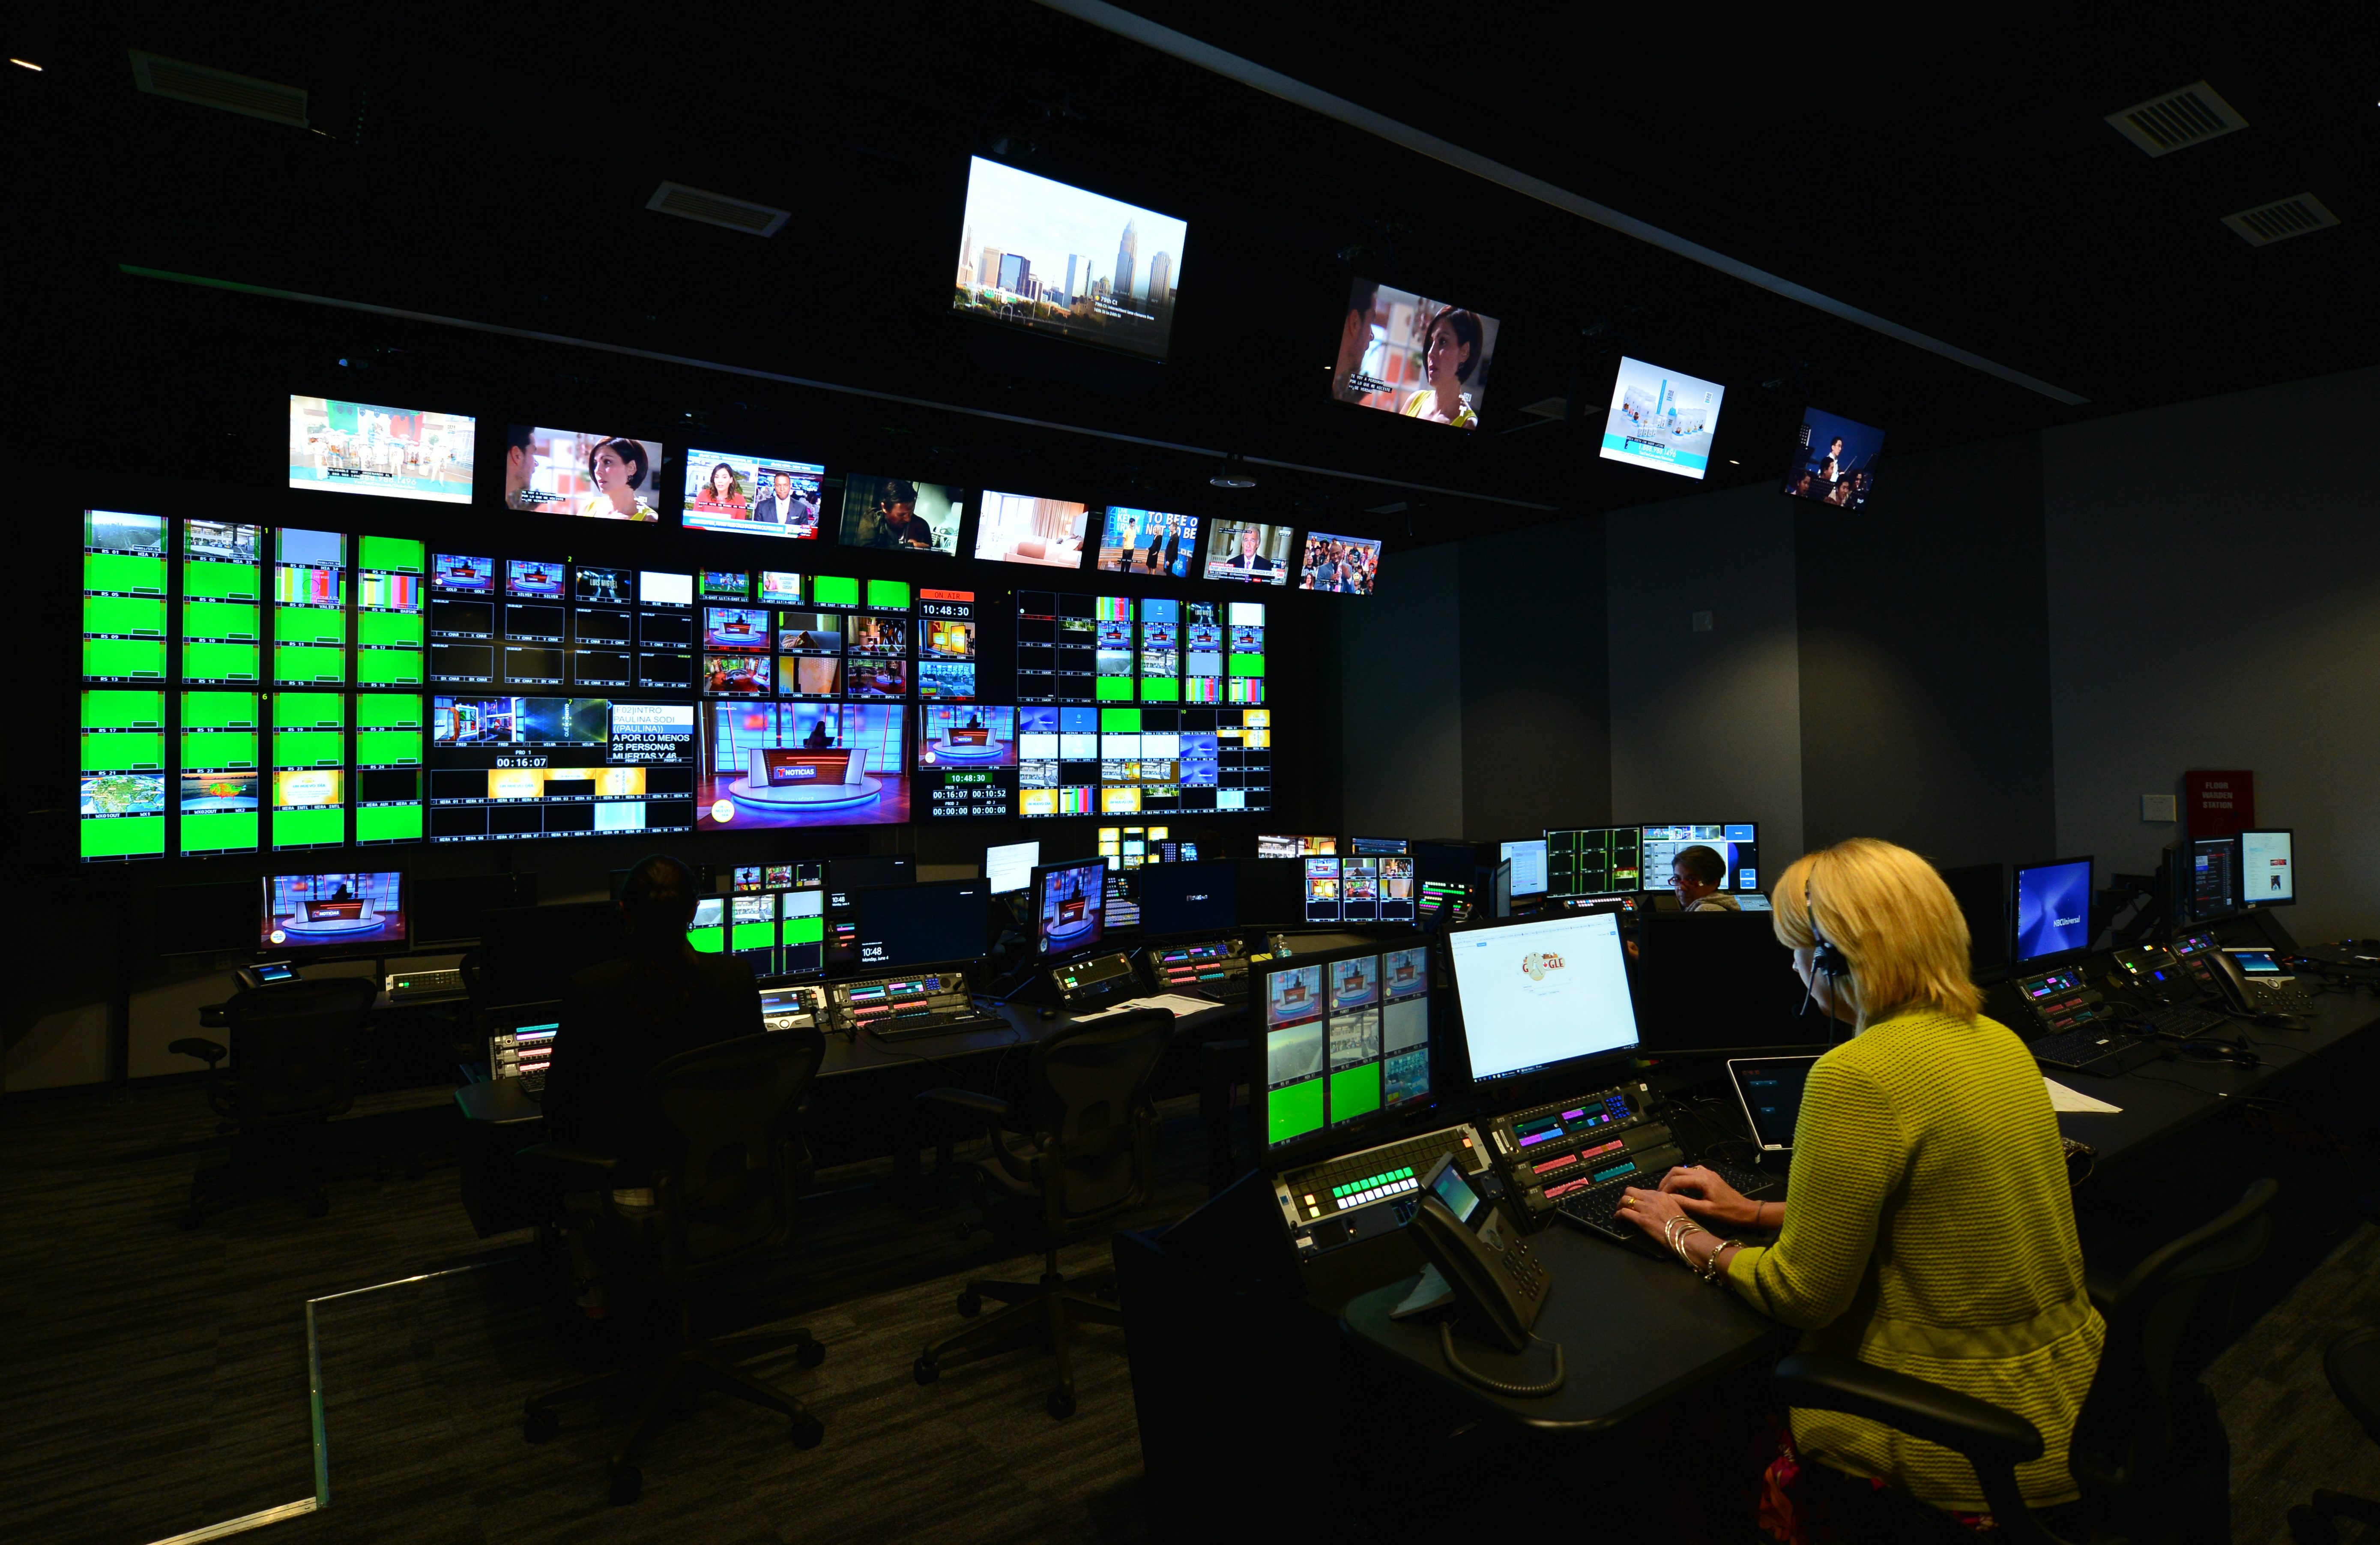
x: 575, y: 1168
x: 993, y: 1109
x: 208, y: 1052
x: 1978, y: 1428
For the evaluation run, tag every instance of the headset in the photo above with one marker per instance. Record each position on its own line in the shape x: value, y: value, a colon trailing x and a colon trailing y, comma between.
x: 1827, y: 959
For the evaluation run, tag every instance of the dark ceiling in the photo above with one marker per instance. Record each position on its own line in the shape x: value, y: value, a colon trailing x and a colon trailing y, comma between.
x: 1965, y: 187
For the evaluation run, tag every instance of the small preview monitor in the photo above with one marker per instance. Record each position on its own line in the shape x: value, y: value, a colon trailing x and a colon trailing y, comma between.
x: 1735, y: 844
x: 1189, y: 898
x: 1248, y: 551
x: 1045, y: 257
x: 1021, y: 528
x: 664, y: 589
x: 1834, y: 461
x: 1069, y: 906
x: 1279, y: 845
x: 1148, y: 543
x: 900, y: 515
x: 563, y: 471
x: 350, y: 911
x: 396, y: 453
x: 2214, y: 878
x: 1595, y: 861
x: 1010, y: 867
x: 1769, y: 1089
x: 1349, y: 1042
x: 2269, y: 875
x: 756, y: 496
x: 2052, y: 911
x: 1661, y: 419
x: 462, y: 573
x: 1416, y: 358
x: 1529, y: 871
x: 1377, y: 846
x: 1541, y: 993
x: 930, y: 924
x: 1345, y: 566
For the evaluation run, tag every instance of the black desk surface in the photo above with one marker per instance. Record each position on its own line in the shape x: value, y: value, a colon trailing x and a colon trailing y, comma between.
x: 1635, y: 1330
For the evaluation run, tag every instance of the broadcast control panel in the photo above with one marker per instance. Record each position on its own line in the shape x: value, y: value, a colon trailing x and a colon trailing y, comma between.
x: 1337, y: 1202
x: 896, y: 1008
x: 1547, y: 1151
x: 1215, y: 967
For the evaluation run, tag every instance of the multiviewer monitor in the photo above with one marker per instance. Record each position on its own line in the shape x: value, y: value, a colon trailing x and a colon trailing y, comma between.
x: 1348, y: 1040
x: 1419, y: 359
x: 2212, y: 885
x: 1834, y: 461
x: 1736, y: 843
x: 935, y: 923
x: 1661, y: 419
x: 326, y: 912
x: 1528, y: 857
x: 1189, y: 898
x: 1542, y: 993
x: 1069, y: 906
x: 1045, y: 257
x: 1010, y: 867
x: 2269, y: 875
x: 1593, y: 861
x: 2052, y: 911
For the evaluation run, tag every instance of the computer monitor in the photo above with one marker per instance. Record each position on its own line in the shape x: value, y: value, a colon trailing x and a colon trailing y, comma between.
x: 1010, y: 867
x: 2211, y: 885
x: 1528, y: 856
x: 937, y: 922
x: 1189, y: 898
x: 1069, y: 906
x: 209, y: 919
x: 1541, y: 994
x: 1349, y: 1039
x: 871, y: 870
x: 1981, y: 891
x: 529, y: 953
x: 1720, y: 981
x: 448, y: 909
x: 1379, y: 845
x: 2268, y: 871
x: 323, y: 912
x: 1737, y: 843
x: 1272, y: 892
x: 1121, y: 911
x: 2052, y: 912
x: 1593, y: 860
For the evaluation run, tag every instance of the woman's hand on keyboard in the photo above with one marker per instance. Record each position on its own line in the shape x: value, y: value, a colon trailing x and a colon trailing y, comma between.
x: 1707, y: 1199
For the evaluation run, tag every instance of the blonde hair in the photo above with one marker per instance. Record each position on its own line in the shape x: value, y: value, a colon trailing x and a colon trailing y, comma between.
x: 1897, y: 926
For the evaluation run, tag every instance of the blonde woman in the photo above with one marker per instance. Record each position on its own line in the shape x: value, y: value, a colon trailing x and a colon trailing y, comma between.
x: 1929, y: 1228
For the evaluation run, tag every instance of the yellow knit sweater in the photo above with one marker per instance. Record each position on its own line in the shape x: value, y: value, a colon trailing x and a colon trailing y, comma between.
x: 1929, y: 1229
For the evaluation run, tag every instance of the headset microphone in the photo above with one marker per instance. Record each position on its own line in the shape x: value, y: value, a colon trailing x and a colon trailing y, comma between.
x: 1827, y: 960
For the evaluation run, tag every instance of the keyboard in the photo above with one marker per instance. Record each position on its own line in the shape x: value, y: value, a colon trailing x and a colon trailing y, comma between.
x: 1596, y: 1208
x: 533, y: 1085
x: 421, y: 984
x: 2181, y: 1024
x: 2103, y: 1052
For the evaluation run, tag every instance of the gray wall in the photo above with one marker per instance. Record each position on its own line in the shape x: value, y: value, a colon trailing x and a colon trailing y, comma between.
x: 1706, y: 725
x: 1537, y: 685
x: 1400, y: 703
x: 2215, y: 602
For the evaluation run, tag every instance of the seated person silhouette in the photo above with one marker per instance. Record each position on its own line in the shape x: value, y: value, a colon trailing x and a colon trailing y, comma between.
x: 818, y: 739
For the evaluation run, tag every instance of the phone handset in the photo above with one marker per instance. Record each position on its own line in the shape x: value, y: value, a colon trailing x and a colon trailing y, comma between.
x: 1490, y: 1270
x: 2232, y: 983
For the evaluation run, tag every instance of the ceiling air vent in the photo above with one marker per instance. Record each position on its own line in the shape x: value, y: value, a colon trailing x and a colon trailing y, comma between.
x: 243, y: 95
x: 2177, y: 119
x: 2280, y: 220
x: 717, y: 209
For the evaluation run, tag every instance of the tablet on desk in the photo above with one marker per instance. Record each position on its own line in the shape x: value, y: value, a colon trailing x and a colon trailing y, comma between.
x: 1770, y: 1091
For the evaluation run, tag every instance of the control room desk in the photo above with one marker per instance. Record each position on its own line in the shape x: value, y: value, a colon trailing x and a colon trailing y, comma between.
x: 860, y: 1105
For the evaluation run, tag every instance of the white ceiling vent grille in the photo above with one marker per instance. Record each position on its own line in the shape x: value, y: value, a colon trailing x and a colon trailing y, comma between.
x: 2177, y: 119
x: 243, y: 95
x: 2280, y: 220
x: 717, y: 209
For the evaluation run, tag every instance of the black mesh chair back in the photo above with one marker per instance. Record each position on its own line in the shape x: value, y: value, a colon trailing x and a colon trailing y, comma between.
x: 293, y: 1049
x: 1092, y: 1115
x: 722, y: 1122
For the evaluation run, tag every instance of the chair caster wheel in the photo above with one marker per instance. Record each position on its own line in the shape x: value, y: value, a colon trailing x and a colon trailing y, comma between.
x: 807, y: 1432
x: 317, y: 1207
x: 538, y: 1426
x: 970, y: 1305
x: 927, y: 1370
x: 2309, y: 1527
x: 811, y: 1354
x: 627, y: 1484
x: 1061, y: 1405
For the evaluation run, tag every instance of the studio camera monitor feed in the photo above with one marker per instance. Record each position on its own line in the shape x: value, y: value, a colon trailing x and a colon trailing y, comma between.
x: 332, y: 911
x: 1348, y: 565
x: 563, y: 471
x: 1661, y: 419
x: 901, y: 516
x: 1148, y: 542
x: 1020, y: 529
x: 1042, y: 256
x: 774, y: 765
x: 758, y: 496
x: 1834, y: 461
x: 1416, y: 358
x: 1249, y: 551
x: 398, y: 452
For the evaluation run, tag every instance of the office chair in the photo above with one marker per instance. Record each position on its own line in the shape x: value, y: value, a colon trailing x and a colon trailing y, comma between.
x: 2351, y: 1363
x: 296, y: 1045
x: 727, y: 1161
x: 1089, y: 1151
x: 2149, y: 1450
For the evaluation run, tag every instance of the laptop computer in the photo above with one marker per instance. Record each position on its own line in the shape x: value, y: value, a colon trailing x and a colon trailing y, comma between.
x: 1770, y: 1090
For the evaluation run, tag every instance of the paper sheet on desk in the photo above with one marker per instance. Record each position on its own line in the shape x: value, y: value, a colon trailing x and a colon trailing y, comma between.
x: 1181, y: 1006
x: 2063, y: 1098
